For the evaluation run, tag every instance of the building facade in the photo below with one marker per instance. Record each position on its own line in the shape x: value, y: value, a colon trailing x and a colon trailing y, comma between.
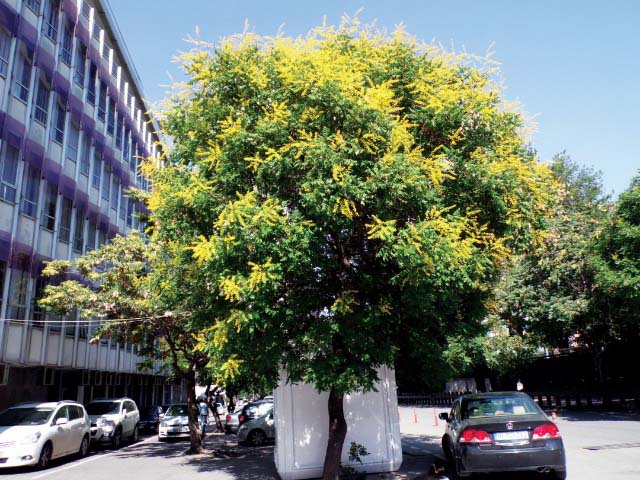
x: 73, y: 130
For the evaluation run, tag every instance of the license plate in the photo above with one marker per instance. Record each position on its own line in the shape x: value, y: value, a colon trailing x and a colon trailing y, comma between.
x: 510, y: 436
x: 185, y: 429
x: 173, y: 429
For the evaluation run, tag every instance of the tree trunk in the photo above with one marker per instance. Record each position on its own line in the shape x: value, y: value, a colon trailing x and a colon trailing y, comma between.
x: 195, y: 434
x: 337, y: 434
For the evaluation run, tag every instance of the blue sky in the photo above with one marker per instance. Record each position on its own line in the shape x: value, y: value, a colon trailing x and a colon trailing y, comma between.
x: 574, y: 65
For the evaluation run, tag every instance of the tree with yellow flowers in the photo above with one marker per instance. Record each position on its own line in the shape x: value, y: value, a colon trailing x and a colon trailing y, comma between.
x: 331, y: 195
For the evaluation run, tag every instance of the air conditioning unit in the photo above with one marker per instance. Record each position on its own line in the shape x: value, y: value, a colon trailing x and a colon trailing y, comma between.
x: 86, y: 377
x: 4, y: 374
x: 48, y: 377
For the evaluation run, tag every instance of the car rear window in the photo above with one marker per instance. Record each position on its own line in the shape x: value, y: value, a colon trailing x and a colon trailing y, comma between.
x: 497, y: 406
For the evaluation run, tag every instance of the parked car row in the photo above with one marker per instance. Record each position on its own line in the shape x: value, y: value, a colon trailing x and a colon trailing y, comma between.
x: 253, y: 424
x: 34, y: 433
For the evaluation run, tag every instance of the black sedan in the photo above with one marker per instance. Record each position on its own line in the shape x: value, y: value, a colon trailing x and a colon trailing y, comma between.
x: 502, y: 432
x: 150, y: 418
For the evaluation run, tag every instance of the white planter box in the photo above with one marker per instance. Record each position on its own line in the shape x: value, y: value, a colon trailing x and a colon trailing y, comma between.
x: 302, y: 424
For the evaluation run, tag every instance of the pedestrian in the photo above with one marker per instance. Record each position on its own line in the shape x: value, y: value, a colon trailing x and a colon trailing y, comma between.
x: 204, y: 415
x: 519, y: 386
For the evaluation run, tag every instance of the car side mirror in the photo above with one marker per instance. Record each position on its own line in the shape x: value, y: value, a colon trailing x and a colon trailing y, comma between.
x: 444, y: 416
x: 161, y: 415
x: 62, y: 421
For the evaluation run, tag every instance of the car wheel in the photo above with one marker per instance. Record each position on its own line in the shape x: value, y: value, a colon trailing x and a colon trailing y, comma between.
x: 45, y: 456
x: 446, y: 448
x: 134, y: 436
x: 257, y: 438
x: 117, y: 439
x: 84, y: 447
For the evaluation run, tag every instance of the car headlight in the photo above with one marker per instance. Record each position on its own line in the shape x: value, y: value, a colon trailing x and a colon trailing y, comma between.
x: 33, y: 438
x: 106, y: 425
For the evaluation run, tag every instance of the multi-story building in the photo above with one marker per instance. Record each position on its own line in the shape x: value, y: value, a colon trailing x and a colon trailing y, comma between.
x: 73, y: 130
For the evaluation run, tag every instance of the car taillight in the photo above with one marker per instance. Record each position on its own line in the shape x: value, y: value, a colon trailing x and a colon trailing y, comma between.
x: 228, y: 417
x: 241, y: 419
x: 476, y: 437
x: 545, y: 432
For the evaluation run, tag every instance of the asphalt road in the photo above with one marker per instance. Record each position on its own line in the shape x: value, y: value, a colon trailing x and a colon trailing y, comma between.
x: 598, y: 446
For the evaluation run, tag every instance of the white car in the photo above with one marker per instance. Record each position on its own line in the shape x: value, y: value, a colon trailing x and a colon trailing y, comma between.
x: 35, y: 433
x: 114, y: 420
x: 174, y: 423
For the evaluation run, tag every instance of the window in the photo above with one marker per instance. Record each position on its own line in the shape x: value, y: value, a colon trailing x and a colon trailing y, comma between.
x: 84, y: 157
x: 114, y: 192
x: 132, y: 159
x: 30, y: 192
x: 58, y: 125
x: 23, y: 75
x: 48, y: 220
x: 125, y: 151
x: 34, y: 5
x: 102, y: 101
x: 72, y: 142
x: 111, y: 117
x: 78, y: 231
x: 119, y: 131
x: 17, y: 305
x: 96, y: 30
x: 91, y: 236
x: 41, y: 106
x: 91, y: 86
x: 9, y: 174
x: 37, y: 311
x: 67, y: 44
x: 81, y: 64
x: 5, y: 45
x: 3, y: 270
x: 123, y: 203
x: 106, y: 181
x: 106, y: 49
x: 102, y: 238
x: 86, y: 9
x: 62, y: 413
x: 50, y: 19
x: 129, y: 213
x: 97, y: 169
x: 114, y: 68
x: 65, y: 220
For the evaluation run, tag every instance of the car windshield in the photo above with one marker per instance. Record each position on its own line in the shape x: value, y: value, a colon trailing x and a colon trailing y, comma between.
x: 498, y: 405
x: 175, y: 410
x: 25, y: 416
x: 150, y: 411
x: 103, y: 408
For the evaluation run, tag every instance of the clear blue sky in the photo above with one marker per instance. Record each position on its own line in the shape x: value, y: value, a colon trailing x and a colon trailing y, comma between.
x: 574, y: 64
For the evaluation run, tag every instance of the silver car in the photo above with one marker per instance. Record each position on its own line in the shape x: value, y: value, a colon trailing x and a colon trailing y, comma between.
x: 174, y: 423
x: 232, y: 422
x: 258, y: 431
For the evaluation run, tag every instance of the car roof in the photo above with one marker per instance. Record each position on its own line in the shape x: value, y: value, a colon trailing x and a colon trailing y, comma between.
x: 481, y: 395
x: 101, y: 400
x: 45, y: 404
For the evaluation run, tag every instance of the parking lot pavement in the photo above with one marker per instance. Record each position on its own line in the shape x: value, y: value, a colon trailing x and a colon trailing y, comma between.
x: 598, y: 445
